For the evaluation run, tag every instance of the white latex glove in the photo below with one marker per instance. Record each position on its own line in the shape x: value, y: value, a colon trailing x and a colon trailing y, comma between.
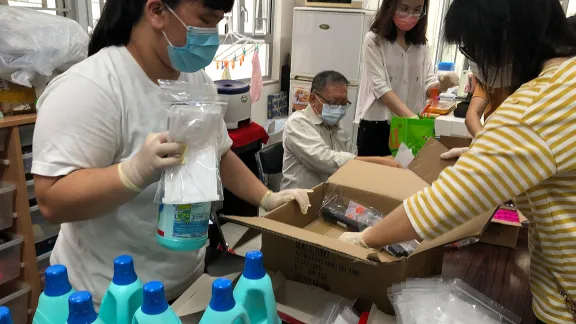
x: 155, y: 155
x: 354, y: 238
x: 273, y: 200
x: 448, y: 81
x: 414, y: 117
x: 454, y: 153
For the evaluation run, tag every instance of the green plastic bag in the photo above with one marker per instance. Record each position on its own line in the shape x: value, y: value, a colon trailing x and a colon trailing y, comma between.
x: 412, y: 132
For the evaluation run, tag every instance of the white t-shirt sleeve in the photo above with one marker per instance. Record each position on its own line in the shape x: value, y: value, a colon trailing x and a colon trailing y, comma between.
x: 224, y: 141
x: 78, y: 127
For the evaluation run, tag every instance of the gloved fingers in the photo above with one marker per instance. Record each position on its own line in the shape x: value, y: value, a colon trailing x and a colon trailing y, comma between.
x: 303, y: 200
x: 168, y: 162
x: 453, y: 153
x: 170, y: 149
x: 160, y: 137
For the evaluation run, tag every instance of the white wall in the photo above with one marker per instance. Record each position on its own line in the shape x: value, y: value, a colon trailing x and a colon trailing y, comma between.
x: 282, y: 45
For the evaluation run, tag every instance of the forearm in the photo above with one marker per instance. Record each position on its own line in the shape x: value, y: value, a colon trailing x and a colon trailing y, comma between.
x: 391, y: 100
x: 237, y: 178
x: 394, y: 228
x: 474, y: 115
x: 81, y: 195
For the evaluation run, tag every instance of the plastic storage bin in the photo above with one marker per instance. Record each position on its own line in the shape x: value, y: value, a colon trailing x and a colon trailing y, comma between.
x: 27, y: 162
x: 10, y: 257
x: 43, y: 230
x: 412, y: 132
x: 14, y: 295
x: 6, y: 204
x: 43, y: 264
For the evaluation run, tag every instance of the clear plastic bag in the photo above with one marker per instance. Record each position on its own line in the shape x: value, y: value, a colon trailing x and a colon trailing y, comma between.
x: 194, y: 119
x: 35, y: 43
x: 337, y: 313
x: 357, y: 217
x: 442, y: 301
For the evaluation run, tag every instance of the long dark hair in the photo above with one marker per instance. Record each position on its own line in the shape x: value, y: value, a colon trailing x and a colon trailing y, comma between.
x: 521, y: 33
x: 384, y: 26
x: 119, y: 17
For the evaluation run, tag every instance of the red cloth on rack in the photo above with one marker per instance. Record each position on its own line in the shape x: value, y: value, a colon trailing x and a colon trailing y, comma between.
x: 247, y: 134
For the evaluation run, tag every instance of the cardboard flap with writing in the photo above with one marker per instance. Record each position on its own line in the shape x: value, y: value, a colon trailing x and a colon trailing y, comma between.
x: 298, y: 234
x: 427, y: 164
x: 379, y: 179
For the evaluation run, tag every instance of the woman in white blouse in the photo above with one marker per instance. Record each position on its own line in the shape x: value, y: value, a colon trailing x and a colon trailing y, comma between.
x: 398, y: 73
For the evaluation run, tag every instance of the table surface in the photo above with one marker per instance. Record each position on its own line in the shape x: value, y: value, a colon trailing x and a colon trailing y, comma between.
x: 499, y: 273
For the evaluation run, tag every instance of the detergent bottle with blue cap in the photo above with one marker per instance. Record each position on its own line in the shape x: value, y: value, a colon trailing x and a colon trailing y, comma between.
x: 155, y: 309
x: 53, y: 302
x: 82, y: 309
x: 183, y: 227
x: 124, y: 295
x: 223, y: 309
x: 5, y: 317
x: 255, y: 293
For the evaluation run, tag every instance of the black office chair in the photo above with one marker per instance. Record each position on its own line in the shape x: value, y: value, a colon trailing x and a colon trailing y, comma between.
x: 269, y: 161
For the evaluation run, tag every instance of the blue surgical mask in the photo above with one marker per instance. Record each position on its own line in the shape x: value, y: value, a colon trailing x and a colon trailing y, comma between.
x: 332, y: 114
x: 199, y: 51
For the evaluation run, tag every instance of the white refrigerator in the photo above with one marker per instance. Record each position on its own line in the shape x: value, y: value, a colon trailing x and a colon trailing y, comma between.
x: 327, y: 39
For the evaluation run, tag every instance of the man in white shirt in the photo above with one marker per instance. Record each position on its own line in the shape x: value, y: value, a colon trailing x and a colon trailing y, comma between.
x: 315, y: 145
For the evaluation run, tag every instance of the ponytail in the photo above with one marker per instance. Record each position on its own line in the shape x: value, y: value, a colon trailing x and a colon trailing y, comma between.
x: 119, y: 17
x: 115, y: 24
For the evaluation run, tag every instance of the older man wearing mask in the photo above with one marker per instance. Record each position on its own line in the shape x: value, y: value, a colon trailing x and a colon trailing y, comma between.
x: 315, y: 144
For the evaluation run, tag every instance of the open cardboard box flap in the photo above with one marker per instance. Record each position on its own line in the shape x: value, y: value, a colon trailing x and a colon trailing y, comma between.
x: 389, y: 183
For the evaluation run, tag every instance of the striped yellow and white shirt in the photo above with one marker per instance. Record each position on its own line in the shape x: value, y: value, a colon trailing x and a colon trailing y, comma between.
x: 526, y: 150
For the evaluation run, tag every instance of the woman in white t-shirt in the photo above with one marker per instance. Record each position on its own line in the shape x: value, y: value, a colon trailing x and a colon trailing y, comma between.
x: 398, y: 73
x: 100, y: 143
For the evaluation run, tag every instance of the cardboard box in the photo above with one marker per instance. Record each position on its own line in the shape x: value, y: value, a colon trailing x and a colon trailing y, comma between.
x: 306, y: 249
x: 450, y: 125
x: 296, y: 302
x: 503, y: 233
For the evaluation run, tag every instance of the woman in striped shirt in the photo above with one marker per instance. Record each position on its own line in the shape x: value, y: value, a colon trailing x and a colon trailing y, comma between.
x: 526, y: 151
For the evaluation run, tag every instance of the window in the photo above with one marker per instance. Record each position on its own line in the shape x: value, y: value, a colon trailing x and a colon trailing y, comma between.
x: 48, y: 6
x: 252, y: 18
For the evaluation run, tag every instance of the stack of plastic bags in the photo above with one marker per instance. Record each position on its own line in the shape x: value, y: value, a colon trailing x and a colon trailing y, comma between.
x: 35, y: 45
x: 442, y: 301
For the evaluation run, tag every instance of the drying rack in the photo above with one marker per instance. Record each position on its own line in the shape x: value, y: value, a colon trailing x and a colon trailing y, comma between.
x: 242, y: 46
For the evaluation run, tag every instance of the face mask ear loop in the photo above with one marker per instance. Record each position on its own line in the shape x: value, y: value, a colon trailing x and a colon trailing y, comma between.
x: 175, y: 15
x: 165, y: 36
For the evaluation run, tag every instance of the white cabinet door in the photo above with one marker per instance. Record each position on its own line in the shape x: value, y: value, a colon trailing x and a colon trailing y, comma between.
x: 324, y: 40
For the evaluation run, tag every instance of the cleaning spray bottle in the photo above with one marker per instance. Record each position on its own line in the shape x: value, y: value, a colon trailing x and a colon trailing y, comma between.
x: 53, y: 302
x: 183, y: 227
x: 82, y: 309
x: 254, y: 291
x: 124, y: 295
x: 223, y: 309
x: 155, y: 309
x: 5, y: 317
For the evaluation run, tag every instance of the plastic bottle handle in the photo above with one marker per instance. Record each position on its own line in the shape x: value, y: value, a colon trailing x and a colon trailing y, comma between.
x: 244, y: 317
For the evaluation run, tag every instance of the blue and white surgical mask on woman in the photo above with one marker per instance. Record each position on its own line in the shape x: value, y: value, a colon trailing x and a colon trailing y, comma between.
x: 199, y: 51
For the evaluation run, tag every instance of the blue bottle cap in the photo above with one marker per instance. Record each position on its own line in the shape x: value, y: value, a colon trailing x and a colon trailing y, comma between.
x: 81, y: 308
x: 446, y: 66
x: 5, y: 317
x: 124, y: 273
x: 254, y: 265
x: 57, y: 283
x: 222, y: 295
x: 154, y: 302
